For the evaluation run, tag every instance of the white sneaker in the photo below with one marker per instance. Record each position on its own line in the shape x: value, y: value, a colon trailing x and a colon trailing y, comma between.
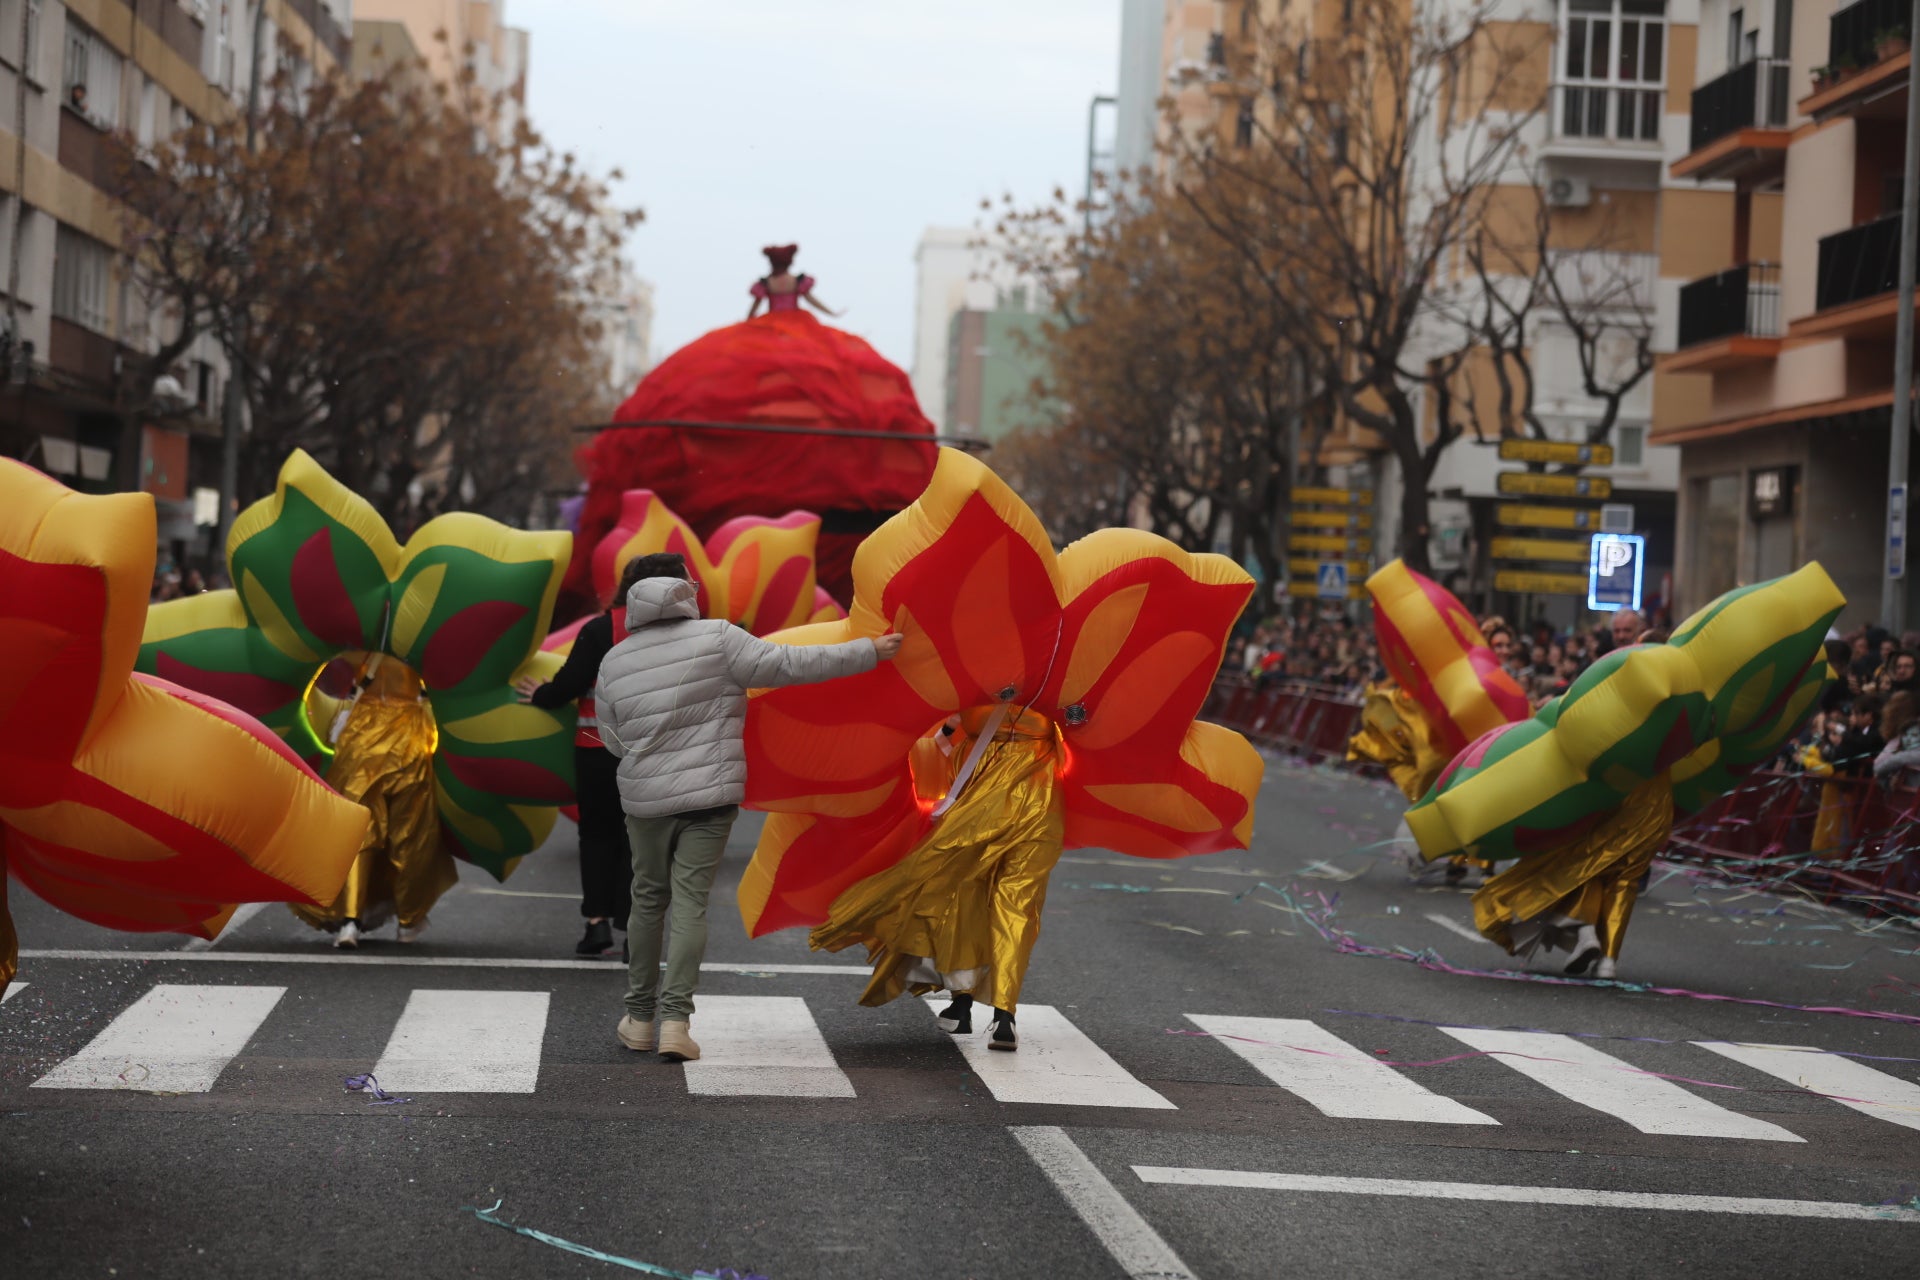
x: 1586, y: 950
x: 675, y: 1044
x: 636, y: 1035
x: 1605, y: 969
x: 412, y: 934
x: 348, y: 937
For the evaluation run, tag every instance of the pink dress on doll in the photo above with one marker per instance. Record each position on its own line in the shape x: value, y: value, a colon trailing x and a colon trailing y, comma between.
x: 802, y: 286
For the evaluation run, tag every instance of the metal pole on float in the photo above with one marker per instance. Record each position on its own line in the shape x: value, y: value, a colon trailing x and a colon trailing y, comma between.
x: 1893, y: 591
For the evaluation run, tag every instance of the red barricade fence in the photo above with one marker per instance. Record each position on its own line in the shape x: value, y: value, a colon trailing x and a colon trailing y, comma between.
x: 1847, y: 841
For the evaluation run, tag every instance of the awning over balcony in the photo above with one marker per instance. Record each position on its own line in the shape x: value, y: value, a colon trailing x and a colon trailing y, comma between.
x: 1849, y: 408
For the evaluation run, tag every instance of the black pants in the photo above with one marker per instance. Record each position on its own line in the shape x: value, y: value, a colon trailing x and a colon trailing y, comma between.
x: 606, y: 863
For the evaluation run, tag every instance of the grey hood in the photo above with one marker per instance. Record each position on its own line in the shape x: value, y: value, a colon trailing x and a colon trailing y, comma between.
x: 661, y: 599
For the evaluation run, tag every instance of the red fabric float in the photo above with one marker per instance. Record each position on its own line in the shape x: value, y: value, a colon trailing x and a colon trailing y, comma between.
x: 785, y: 369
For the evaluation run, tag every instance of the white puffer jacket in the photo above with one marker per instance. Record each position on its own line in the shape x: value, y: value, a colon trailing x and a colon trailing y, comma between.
x: 672, y: 697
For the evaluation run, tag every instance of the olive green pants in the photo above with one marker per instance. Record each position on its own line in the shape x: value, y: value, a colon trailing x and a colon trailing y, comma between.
x: 675, y: 858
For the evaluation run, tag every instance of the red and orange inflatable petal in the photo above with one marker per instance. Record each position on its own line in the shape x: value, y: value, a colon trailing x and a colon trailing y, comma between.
x: 1115, y: 641
x: 755, y: 572
x: 124, y: 799
x: 1433, y: 649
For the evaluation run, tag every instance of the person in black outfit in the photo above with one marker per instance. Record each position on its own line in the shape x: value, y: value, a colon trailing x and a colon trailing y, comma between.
x: 1862, y: 744
x: 606, y: 862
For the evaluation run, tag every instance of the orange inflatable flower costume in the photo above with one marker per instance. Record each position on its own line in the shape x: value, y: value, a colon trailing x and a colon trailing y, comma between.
x: 1076, y: 678
x: 124, y: 799
x: 754, y: 572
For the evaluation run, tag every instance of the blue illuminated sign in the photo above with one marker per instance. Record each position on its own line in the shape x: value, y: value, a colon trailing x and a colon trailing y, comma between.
x: 1614, y: 571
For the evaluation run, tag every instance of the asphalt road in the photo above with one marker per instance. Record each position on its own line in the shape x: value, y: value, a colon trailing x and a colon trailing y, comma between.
x: 170, y: 1110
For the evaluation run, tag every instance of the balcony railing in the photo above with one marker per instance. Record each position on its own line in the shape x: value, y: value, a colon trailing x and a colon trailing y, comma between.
x: 1853, y: 31
x: 1742, y: 301
x: 1860, y: 262
x: 1607, y: 113
x: 1752, y: 95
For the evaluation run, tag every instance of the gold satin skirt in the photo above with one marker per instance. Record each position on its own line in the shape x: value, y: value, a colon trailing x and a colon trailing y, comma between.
x: 962, y: 910
x: 384, y: 760
x: 1592, y: 881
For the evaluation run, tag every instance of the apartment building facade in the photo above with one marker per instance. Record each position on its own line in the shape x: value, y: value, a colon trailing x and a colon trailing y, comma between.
x: 76, y: 327
x: 1800, y: 110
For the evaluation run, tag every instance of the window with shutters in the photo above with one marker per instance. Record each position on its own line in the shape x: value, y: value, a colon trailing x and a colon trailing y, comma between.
x: 82, y: 280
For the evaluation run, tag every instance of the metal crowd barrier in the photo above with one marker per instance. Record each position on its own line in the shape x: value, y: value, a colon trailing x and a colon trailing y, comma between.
x: 1846, y: 841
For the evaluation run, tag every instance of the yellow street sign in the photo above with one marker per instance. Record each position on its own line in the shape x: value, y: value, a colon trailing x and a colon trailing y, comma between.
x: 1548, y: 584
x: 1330, y: 542
x: 1356, y: 569
x: 1334, y: 497
x: 1578, y: 455
x: 1311, y: 589
x: 1332, y: 519
x: 1534, y: 482
x: 1515, y: 515
x: 1560, y: 550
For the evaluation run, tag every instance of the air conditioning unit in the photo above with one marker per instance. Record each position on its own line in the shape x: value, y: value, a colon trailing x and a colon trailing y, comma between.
x: 1569, y: 193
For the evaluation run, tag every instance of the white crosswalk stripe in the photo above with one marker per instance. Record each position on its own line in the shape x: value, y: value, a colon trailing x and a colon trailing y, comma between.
x: 765, y: 1047
x: 1847, y: 1082
x: 466, y: 1042
x: 181, y: 1038
x: 13, y: 989
x: 1327, y: 1072
x: 173, y: 1039
x: 1578, y: 1071
x: 1055, y: 1065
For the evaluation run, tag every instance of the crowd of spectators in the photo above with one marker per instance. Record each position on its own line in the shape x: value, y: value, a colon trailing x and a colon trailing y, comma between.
x: 1339, y: 656
x: 170, y: 582
x: 1869, y: 721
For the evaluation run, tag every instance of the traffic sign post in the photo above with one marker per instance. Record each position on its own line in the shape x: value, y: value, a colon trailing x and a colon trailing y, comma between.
x: 1560, y: 451
x: 1536, y: 484
x: 1333, y: 581
x: 1520, y: 516
x: 1897, y: 531
x: 1615, y: 571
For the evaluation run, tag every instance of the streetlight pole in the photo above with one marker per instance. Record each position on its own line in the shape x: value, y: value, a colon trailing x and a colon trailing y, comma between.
x: 230, y: 406
x: 1093, y: 123
x: 1893, y: 591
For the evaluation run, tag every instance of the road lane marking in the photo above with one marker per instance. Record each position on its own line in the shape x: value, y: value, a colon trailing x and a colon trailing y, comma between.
x: 762, y: 1046
x: 1331, y: 1075
x: 466, y: 1042
x: 1135, y: 1246
x: 1056, y: 1065
x: 402, y: 961
x: 241, y: 914
x: 13, y: 989
x: 173, y: 1039
x: 1581, y: 1073
x: 1575, y: 1196
x: 1451, y: 925
x: 1842, y: 1079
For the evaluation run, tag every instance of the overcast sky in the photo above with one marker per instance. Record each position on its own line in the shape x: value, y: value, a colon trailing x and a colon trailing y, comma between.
x: 848, y: 126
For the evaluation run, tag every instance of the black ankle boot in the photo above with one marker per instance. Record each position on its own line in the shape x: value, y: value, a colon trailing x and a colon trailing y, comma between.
x: 957, y: 1018
x: 598, y: 939
x: 1003, y: 1036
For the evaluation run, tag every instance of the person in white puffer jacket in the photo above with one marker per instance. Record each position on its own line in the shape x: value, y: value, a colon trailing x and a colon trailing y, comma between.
x: 672, y: 704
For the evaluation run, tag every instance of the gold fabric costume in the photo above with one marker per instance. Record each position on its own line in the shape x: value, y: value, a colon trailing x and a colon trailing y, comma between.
x: 1592, y: 880
x: 384, y: 760
x: 1396, y: 735
x: 9, y: 940
x: 962, y: 910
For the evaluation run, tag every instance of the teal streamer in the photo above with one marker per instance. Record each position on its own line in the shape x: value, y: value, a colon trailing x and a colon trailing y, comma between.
x: 632, y: 1264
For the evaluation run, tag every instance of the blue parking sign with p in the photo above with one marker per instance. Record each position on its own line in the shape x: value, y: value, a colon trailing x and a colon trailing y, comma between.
x: 1615, y: 569
x: 1333, y: 581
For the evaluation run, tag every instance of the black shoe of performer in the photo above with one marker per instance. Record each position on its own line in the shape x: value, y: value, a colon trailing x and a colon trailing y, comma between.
x: 957, y: 1018
x: 1003, y: 1036
x: 598, y: 939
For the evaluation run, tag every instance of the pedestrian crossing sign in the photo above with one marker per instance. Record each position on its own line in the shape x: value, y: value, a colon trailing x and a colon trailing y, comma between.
x: 1333, y: 580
